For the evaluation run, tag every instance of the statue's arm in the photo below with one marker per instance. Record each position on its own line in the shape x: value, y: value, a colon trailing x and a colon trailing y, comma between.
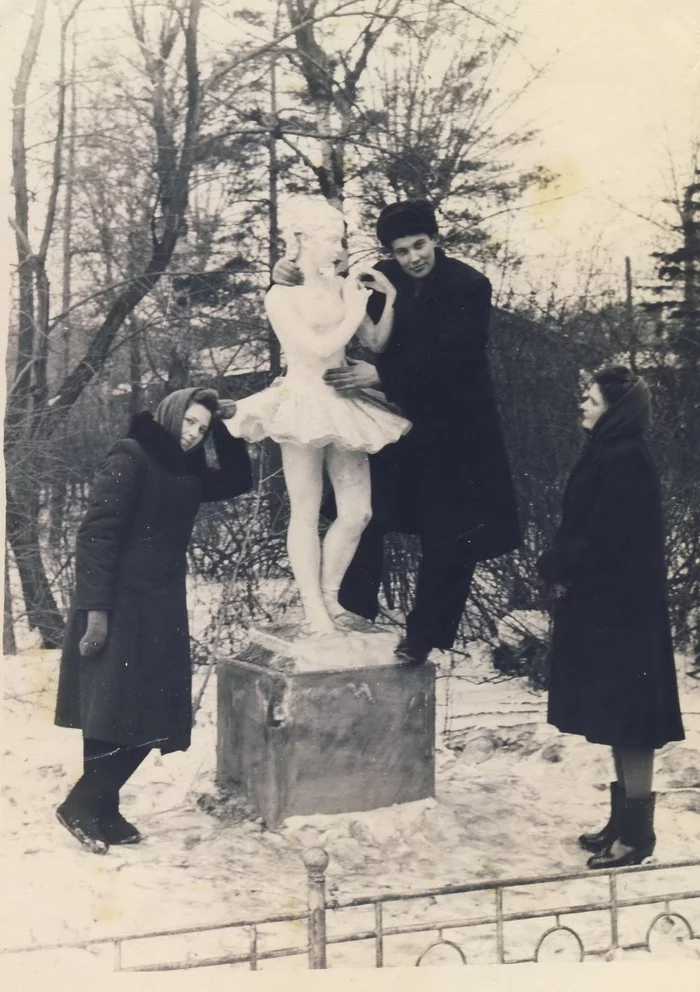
x: 375, y: 334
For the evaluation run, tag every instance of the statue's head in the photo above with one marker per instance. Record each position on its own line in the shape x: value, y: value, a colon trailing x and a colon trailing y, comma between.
x: 313, y: 231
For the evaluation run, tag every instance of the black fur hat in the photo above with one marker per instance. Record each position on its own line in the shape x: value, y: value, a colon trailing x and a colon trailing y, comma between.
x: 400, y: 220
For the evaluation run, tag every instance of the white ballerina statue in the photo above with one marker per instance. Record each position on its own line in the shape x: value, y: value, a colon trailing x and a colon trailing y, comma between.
x: 313, y: 423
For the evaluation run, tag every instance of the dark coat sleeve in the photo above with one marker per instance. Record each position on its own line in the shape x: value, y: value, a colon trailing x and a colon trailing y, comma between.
x: 625, y: 501
x: 115, y: 493
x: 233, y: 476
x: 448, y: 369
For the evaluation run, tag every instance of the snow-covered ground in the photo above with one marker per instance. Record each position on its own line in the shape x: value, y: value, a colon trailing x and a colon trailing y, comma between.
x: 512, y: 794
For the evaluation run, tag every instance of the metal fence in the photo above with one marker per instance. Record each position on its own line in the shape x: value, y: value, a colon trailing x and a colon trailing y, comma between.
x: 447, y: 933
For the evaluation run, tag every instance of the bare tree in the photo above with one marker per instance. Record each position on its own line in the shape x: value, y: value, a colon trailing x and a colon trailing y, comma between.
x: 169, y: 59
x: 29, y: 393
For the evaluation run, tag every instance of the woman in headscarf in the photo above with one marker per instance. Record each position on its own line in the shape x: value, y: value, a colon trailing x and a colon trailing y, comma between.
x: 125, y: 677
x: 613, y: 677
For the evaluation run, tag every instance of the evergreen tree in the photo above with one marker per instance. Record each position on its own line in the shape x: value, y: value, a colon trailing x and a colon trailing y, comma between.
x: 677, y: 293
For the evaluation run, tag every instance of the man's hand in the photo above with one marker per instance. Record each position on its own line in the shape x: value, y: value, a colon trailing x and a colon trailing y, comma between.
x: 559, y: 591
x: 357, y: 375
x: 227, y: 409
x: 376, y: 280
x: 286, y: 273
x: 95, y: 634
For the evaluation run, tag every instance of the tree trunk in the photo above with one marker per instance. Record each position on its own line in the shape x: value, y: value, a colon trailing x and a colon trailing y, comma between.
x: 58, y: 493
x: 23, y: 534
x: 272, y: 453
x: 135, y: 370
x: 68, y: 218
x: 25, y: 270
x: 9, y: 644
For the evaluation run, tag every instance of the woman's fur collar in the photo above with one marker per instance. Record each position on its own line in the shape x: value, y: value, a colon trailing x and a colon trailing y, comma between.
x: 163, y: 447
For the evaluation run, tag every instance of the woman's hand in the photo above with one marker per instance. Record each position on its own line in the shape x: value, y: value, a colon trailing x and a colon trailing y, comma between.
x: 286, y: 273
x: 95, y: 635
x: 357, y: 375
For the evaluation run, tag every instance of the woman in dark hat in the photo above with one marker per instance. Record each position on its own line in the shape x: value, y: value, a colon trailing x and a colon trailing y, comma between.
x: 125, y: 677
x: 613, y: 677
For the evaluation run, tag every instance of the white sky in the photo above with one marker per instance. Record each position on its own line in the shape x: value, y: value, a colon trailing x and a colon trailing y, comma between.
x: 618, y: 104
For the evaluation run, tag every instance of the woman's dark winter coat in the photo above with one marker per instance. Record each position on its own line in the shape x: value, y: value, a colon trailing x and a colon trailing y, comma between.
x: 131, y: 561
x: 613, y: 678
x: 450, y: 473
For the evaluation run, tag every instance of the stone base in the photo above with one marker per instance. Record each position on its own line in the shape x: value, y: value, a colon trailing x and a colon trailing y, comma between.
x: 329, y: 724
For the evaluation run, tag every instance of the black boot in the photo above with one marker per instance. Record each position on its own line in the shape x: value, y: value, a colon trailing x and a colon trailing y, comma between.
x: 81, y: 818
x: 115, y: 827
x: 412, y: 650
x: 595, y: 843
x: 636, y: 823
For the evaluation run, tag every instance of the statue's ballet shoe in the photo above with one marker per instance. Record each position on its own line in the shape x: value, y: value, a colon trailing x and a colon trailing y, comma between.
x: 316, y: 628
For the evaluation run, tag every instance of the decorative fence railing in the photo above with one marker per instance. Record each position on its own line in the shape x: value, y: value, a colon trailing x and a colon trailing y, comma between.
x: 313, y: 923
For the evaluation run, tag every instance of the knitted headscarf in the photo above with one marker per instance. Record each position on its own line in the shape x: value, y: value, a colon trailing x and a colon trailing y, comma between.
x: 171, y: 410
x: 628, y: 415
x: 401, y: 220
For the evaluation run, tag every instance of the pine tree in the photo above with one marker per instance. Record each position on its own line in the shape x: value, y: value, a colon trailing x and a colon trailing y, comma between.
x: 678, y: 290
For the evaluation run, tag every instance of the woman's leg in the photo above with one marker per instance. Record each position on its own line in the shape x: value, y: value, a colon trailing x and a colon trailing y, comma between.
x: 303, y: 474
x: 599, y: 840
x: 349, y: 475
x: 106, y: 768
x: 637, y: 765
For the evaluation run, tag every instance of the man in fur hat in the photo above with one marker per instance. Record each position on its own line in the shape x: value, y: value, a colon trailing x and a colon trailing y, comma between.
x: 448, y: 480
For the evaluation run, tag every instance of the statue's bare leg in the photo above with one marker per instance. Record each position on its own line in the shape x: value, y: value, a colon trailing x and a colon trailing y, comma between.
x: 303, y: 474
x: 349, y: 475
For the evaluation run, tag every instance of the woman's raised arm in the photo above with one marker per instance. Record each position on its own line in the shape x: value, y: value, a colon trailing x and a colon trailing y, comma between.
x: 233, y: 476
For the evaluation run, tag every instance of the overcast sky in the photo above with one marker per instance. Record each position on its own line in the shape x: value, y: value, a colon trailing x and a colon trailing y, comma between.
x: 618, y: 103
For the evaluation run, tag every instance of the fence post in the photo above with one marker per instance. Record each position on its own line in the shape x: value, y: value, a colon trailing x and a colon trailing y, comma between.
x: 316, y: 861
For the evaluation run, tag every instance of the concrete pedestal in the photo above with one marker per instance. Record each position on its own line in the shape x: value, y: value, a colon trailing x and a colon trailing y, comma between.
x: 324, y: 725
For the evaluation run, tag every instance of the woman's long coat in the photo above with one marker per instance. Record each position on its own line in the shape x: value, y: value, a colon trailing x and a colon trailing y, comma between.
x: 450, y: 474
x: 131, y: 561
x: 613, y: 678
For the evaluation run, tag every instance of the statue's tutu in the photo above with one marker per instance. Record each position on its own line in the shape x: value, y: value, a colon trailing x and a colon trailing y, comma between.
x: 310, y: 412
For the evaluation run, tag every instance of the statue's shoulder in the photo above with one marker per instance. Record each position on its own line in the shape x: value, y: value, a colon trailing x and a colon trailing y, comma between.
x: 278, y: 295
x: 277, y: 289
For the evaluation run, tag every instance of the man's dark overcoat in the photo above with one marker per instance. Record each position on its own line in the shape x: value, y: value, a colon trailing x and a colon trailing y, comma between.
x: 613, y: 678
x: 449, y: 475
x: 131, y: 561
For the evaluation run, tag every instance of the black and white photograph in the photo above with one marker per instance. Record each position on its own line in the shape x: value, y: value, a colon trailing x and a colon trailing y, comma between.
x: 351, y: 599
